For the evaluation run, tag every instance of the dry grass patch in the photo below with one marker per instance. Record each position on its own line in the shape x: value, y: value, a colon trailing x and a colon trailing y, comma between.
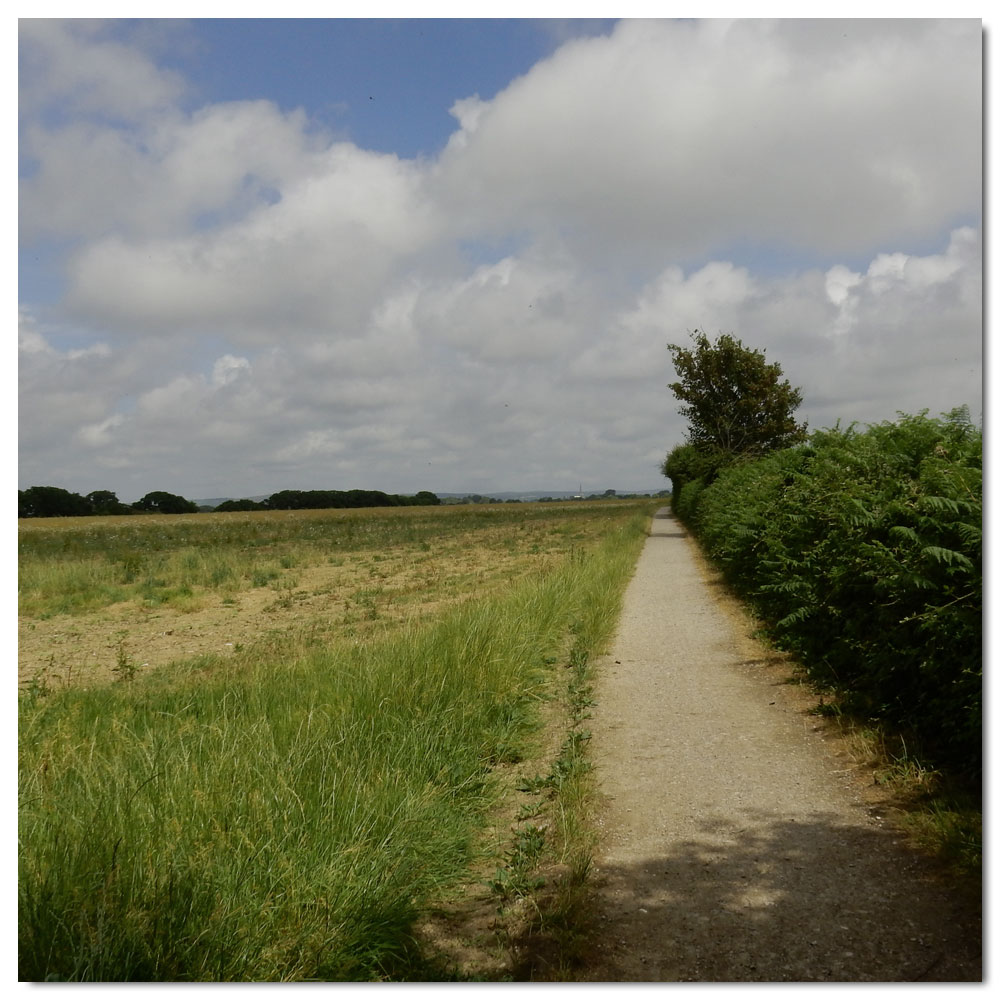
x: 306, y: 576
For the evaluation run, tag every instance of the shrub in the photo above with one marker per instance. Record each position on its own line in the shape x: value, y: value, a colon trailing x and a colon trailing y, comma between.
x: 863, y: 553
x: 686, y: 503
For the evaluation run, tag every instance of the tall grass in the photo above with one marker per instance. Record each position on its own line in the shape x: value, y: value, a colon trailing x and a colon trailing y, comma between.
x: 261, y: 820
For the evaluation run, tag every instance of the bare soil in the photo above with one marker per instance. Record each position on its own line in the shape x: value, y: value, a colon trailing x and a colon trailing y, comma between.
x: 68, y: 649
x: 351, y: 597
x: 740, y: 842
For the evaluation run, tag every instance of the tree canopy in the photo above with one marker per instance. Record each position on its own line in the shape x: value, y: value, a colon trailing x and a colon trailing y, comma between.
x: 736, y: 402
x: 161, y: 502
x: 53, y: 501
x: 737, y: 405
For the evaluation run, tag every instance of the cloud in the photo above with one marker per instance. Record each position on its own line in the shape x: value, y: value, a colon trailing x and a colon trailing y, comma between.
x: 74, y: 65
x: 99, y: 435
x: 173, y: 173
x: 60, y: 390
x: 675, y: 137
x: 904, y: 335
x: 251, y: 306
x: 228, y: 368
x: 520, y: 309
x: 319, y: 257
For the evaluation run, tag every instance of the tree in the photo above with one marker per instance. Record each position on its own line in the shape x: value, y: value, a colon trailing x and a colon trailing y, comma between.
x: 685, y: 464
x: 159, y: 502
x: 736, y: 403
x: 239, y: 505
x: 51, y: 501
x: 107, y: 502
x: 426, y: 499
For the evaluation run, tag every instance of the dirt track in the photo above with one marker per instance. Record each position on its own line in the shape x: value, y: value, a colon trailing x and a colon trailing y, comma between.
x: 740, y: 843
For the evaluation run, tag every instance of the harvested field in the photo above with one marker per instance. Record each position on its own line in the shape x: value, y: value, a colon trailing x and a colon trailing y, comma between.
x: 144, y: 591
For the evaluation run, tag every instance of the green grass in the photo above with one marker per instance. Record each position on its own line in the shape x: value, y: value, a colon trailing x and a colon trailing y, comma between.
x: 285, y: 813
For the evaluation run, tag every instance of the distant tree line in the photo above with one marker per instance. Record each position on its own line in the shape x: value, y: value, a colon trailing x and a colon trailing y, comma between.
x: 325, y: 499
x: 53, y: 501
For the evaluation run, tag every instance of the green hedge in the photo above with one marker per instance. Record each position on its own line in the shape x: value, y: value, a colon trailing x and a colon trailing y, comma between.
x: 862, y: 553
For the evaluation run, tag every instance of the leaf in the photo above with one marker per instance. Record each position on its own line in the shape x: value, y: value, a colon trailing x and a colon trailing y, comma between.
x: 971, y: 534
x: 799, y: 614
x: 946, y: 504
x: 947, y: 556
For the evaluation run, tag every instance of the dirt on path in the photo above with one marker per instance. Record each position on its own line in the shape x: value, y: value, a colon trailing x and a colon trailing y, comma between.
x: 740, y: 843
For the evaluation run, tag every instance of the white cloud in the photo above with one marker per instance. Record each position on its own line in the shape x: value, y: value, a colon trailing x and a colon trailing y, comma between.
x: 99, y: 435
x: 256, y: 307
x: 75, y: 64
x: 839, y: 282
x: 228, y: 368
x: 309, y: 446
x: 318, y: 259
x: 516, y: 310
x: 672, y: 137
x: 162, y: 178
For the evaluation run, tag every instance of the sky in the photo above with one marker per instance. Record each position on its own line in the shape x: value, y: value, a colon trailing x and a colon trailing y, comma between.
x: 449, y: 255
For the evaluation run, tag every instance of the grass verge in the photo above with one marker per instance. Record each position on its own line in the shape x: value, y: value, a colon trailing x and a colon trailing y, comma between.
x: 526, y: 917
x: 938, y: 814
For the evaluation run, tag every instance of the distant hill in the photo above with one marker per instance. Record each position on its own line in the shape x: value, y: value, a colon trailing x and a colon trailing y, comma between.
x: 215, y: 501
x: 552, y: 494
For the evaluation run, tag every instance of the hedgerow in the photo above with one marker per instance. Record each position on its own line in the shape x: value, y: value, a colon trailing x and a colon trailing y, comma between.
x: 862, y: 554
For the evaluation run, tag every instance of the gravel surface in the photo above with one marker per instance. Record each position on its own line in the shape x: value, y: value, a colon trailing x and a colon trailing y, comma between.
x: 739, y: 841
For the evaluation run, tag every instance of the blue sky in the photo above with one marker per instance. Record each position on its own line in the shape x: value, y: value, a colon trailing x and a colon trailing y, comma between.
x: 449, y: 254
x: 384, y: 84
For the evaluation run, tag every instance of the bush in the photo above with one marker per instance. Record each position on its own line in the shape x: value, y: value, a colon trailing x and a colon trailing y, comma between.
x: 863, y: 553
x: 686, y: 463
x: 686, y: 503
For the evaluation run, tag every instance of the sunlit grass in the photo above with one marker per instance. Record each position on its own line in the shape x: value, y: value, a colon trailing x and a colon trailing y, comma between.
x: 285, y: 812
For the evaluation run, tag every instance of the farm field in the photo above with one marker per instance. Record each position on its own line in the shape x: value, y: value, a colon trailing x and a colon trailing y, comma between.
x: 98, y: 595
x: 262, y: 747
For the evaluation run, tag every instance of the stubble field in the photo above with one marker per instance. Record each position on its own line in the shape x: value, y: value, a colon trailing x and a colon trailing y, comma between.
x: 101, y: 595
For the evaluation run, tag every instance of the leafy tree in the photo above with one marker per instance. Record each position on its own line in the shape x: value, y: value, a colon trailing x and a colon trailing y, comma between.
x: 159, y: 502
x: 237, y: 505
x: 106, y: 502
x: 686, y: 464
x: 51, y: 501
x: 426, y: 499
x: 737, y: 404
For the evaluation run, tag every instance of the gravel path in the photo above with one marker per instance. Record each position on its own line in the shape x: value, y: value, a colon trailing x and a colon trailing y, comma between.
x: 739, y: 843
